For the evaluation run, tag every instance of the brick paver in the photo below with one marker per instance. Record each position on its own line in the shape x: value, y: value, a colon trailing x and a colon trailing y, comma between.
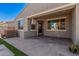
x: 42, y: 46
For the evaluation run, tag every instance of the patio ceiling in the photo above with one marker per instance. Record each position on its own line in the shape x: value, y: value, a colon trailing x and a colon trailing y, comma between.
x: 63, y: 9
x: 52, y: 15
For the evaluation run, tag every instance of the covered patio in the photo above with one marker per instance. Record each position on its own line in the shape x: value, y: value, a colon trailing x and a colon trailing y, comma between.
x: 42, y: 46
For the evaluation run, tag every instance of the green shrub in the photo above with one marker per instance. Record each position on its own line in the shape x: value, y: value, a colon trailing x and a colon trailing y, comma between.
x: 74, y: 48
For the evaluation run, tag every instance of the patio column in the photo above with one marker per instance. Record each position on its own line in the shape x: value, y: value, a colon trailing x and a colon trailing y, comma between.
x: 75, y: 25
x: 26, y: 24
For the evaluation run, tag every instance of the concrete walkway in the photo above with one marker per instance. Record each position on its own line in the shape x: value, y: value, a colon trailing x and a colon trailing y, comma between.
x: 4, y: 51
x: 42, y: 46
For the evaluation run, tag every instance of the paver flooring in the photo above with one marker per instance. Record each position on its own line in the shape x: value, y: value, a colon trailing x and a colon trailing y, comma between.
x: 42, y: 46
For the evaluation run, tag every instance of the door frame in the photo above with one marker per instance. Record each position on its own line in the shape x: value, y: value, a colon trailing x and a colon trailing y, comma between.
x: 38, y: 27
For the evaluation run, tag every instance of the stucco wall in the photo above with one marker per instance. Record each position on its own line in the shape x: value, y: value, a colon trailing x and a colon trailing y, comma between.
x: 75, y: 26
x: 21, y: 34
x: 40, y: 7
x: 63, y: 34
x: 29, y: 32
x: 20, y: 31
x: 33, y: 8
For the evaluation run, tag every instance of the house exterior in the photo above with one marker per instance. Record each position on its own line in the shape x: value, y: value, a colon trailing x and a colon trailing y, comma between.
x: 49, y: 19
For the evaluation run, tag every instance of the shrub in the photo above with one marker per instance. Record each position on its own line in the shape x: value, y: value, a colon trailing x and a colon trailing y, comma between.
x: 74, y: 48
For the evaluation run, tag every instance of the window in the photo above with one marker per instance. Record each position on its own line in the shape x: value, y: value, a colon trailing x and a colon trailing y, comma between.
x: 58, y: 24
x: 20, y: 24
x: 49, y: 25
x: 32, y: 25
x: 54, y: 24
x: 62, y: 24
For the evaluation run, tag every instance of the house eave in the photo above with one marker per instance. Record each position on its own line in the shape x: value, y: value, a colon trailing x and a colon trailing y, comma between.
x: 65, y: 7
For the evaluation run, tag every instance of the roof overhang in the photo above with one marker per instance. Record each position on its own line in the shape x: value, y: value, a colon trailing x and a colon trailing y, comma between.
x: 54, y: 10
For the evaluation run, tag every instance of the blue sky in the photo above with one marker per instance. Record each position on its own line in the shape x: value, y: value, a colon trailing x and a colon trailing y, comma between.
x: 9, y: 11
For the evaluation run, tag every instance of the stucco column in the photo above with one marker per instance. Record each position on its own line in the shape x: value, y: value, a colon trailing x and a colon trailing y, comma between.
x: 75, y: 25
x: 25, y: 25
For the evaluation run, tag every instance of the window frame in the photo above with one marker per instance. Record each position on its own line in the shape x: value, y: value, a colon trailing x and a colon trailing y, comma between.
x: 31, y: 25
x: 58, y: 18
x: 19, y: 25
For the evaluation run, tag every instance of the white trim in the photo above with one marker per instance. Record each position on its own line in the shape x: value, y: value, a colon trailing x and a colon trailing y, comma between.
x: 68, y: 6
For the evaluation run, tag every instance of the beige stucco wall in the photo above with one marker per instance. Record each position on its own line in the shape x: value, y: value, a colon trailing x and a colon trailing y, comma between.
x: 29, y: 32
x: 75, y: 25
x: 30, y: 9
x: 20, y: 31
x: 63, y: 34
x: 34, y: 8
